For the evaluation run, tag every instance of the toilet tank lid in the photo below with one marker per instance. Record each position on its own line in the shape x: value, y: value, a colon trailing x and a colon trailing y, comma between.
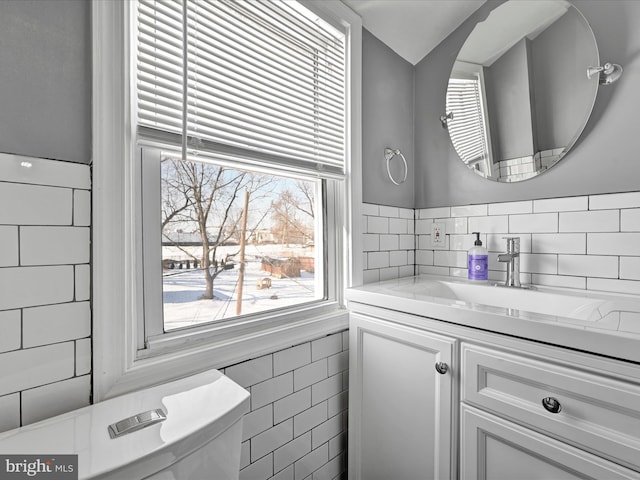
x: 198, y: 408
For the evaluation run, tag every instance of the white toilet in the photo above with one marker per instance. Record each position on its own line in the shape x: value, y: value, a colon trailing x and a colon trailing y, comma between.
x: 127, y: 438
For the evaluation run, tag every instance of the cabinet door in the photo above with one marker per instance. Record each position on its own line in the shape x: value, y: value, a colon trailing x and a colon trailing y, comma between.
x: 400, y: 407
x: 496, y: 449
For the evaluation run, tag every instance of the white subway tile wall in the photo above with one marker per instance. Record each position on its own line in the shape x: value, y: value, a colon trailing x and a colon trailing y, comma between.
x: 583, y: 242
x: 297, y: 426
x: 45, y: 315
x: 389, y: 242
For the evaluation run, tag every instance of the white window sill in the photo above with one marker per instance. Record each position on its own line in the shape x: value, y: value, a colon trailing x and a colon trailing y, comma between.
x: 164, y: 362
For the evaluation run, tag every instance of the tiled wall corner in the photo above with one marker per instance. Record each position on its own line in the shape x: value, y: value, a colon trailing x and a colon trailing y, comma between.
x: 388, y: 242
x: 45, y: 314
x: 588, y: 242
x: 297, y: 426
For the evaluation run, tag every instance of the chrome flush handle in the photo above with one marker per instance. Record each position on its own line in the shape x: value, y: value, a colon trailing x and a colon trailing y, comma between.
x: 136, y: 422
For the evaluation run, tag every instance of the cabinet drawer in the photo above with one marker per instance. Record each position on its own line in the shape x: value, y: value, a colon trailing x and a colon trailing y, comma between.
x: 595, y: 413
x: 493, y: 448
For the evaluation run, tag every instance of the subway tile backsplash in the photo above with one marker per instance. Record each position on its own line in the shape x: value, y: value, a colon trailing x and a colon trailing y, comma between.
x: 589, y: 241
x: 8, y: 245
x: 583, y: 242
x: 35, y: 204
x: 11, y: 330
x: 388, y: 242
x: 45, y: 314
x: 34, y: 285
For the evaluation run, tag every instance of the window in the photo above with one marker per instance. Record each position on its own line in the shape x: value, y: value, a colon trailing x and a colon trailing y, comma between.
x: 253, y: 94
x: 235, y: 185
x: 467, y: 119
x: 233, y: 242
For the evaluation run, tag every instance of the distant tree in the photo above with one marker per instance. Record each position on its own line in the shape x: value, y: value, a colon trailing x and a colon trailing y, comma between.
x: 293, y: 214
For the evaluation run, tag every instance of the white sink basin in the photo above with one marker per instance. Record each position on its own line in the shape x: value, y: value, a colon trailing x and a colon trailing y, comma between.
x: 606, y: 323
x: 580, y: 305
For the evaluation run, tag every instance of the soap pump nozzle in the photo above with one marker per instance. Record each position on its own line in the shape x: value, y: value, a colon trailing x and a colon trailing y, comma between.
x: 478, y: 242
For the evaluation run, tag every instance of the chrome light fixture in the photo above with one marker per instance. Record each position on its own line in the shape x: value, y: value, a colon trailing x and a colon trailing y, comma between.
x: 609, y: 73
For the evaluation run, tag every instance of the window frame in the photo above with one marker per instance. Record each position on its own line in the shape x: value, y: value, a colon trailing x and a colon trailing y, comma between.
x: 159, y: 341
x: 117, y: 290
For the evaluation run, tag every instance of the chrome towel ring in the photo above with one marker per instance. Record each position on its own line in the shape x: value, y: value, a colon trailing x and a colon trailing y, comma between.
x: 389, y: 153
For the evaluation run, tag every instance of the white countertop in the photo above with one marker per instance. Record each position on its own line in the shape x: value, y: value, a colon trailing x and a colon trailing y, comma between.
x: 614, y: 330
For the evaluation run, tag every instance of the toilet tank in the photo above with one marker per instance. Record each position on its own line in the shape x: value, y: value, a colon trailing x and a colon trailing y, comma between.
x: 127, y: 437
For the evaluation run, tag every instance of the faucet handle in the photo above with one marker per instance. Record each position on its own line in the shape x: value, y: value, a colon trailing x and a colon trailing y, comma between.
x: 513, y: 244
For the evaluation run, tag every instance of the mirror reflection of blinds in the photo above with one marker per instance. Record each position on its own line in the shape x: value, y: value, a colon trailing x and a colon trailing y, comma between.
x: 264, y: 79
x: 466, y: 128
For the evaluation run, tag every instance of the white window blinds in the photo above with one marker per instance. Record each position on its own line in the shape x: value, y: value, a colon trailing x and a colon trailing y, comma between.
x: 263, y: 77
x: 466, y: 127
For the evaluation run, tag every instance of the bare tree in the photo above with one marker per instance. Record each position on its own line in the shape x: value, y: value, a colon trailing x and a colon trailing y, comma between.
x: 293, y: 214
x: 176, y: 196
x: 307, y: 203
x: 203, y: 197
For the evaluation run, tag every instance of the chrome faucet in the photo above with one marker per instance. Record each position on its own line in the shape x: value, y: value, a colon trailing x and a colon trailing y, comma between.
x: 512, y: 259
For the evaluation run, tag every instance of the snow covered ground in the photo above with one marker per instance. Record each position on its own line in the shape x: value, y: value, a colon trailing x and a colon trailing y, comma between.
x: 182, y: 290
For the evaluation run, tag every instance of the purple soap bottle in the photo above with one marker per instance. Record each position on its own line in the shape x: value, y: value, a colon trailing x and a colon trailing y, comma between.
x: 478, y: 261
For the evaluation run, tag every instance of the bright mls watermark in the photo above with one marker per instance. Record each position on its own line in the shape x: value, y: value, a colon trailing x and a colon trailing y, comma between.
x: 50, y: 467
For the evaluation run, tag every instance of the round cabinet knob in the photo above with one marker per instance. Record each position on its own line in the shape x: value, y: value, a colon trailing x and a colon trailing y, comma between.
x: 442, y: 368
x: 551, y: 405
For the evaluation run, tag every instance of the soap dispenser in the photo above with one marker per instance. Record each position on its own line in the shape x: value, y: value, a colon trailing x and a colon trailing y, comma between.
x: 478, y: 260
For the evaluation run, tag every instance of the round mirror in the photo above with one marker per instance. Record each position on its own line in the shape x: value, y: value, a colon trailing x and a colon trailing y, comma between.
x: 518, y: 96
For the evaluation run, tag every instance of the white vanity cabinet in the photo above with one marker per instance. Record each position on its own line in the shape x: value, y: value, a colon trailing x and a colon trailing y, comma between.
x: 507, y: 408
x: 401, y: 415
x: 527, y: 417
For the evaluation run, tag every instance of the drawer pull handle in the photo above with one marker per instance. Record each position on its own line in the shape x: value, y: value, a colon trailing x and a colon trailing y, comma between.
x: 551, y: 405
x: 442, y: 368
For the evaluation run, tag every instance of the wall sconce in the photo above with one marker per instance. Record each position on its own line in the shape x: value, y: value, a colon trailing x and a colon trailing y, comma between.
x: 609, y: 73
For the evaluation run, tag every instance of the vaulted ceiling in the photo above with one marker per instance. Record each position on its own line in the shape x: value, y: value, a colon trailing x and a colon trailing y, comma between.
x: 412, y: 28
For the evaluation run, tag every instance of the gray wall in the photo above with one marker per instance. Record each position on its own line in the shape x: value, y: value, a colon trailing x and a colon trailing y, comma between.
x: 45, y: 79
x: 550, y: 70
x: 559, y: 80
x: 387, y: 112
x: 509, y: 105
x: 605, y: 159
